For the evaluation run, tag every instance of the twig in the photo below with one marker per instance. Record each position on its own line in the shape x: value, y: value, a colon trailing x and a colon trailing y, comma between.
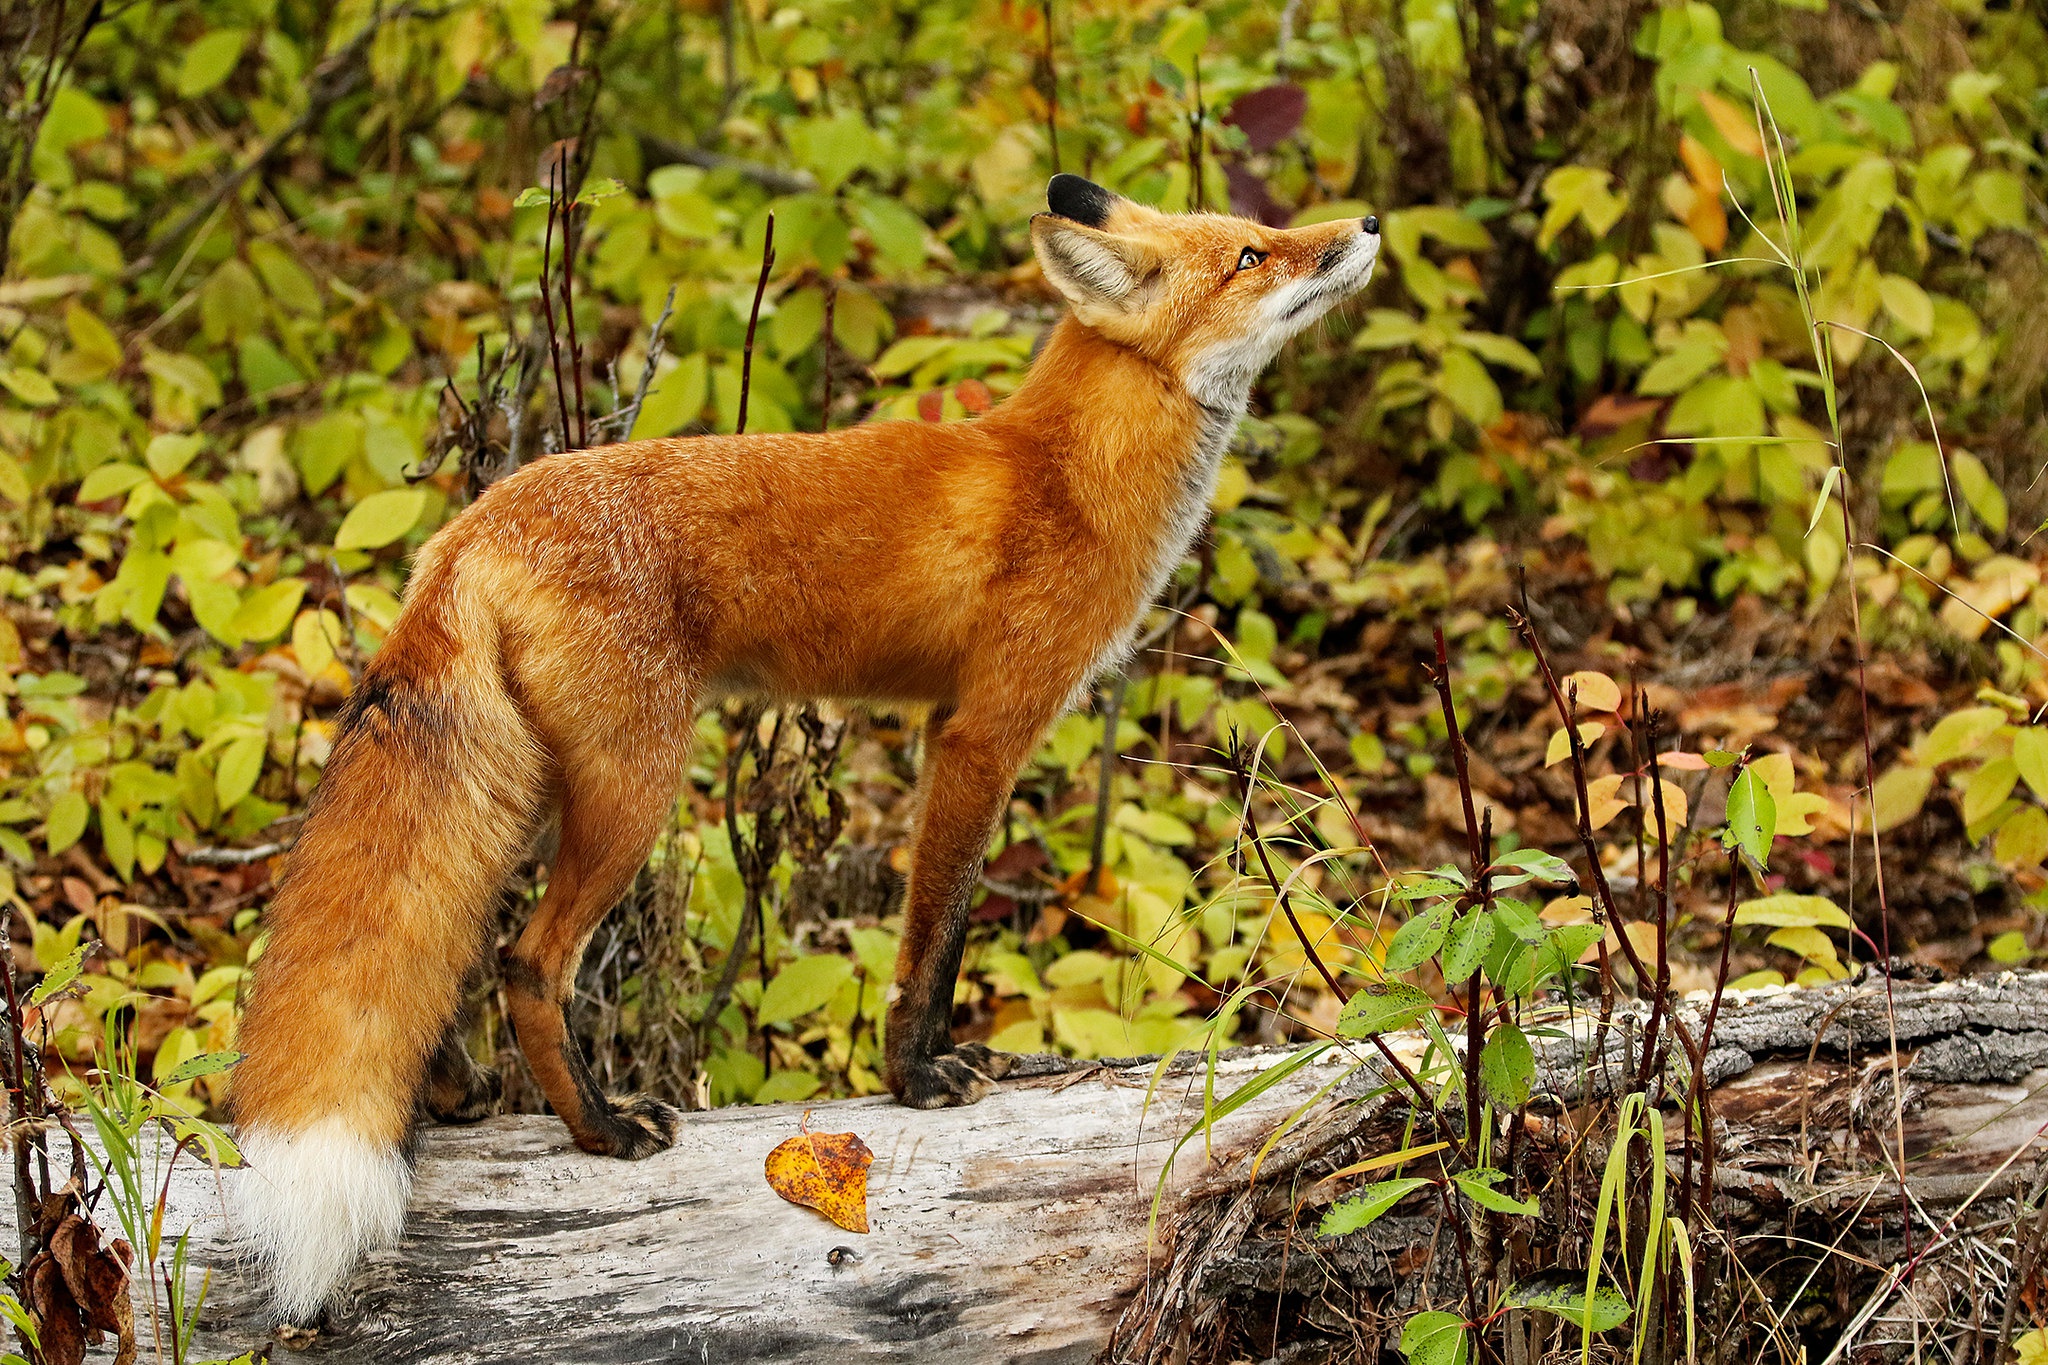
x: 619, y: 425
x: 569, y: 319
x: 753, y: 319
x: 236, y: 857
x: 660, y: 151
x: 547, y: 307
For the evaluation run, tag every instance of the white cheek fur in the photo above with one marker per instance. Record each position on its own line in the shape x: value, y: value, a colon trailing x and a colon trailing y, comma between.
x: 1222, y: 375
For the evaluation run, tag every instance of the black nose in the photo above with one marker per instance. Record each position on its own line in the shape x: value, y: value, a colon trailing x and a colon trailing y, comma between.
x: 1371, y: 223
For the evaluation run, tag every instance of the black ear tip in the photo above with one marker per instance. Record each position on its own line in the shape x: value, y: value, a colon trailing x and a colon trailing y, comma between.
x: 1082, y: 201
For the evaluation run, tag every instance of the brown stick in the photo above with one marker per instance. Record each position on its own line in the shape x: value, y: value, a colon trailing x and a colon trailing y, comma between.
x: 547, y: 307
x: 753, y: 320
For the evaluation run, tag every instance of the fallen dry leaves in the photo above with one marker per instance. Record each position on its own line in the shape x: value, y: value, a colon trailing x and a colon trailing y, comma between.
x: 824, y: 1171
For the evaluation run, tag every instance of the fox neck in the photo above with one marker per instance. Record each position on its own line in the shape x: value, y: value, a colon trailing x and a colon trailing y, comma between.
x: 1140, y: 448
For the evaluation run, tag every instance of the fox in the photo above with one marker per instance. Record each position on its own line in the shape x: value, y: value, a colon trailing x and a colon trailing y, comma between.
x: 558, y: 636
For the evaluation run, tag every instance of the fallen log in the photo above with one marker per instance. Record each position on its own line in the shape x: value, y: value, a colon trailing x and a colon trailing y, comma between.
x: 1018, y: 1229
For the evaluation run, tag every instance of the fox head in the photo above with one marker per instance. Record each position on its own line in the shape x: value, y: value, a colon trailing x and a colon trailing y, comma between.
x: 1207, y: 297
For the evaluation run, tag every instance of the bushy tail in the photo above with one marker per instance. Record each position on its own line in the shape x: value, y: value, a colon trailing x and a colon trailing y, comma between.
x: 426, y: 806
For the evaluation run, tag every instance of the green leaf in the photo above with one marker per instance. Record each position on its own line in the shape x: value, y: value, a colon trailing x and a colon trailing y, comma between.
x: 1500, y: 350
x: 1466, y: 945
x: 169, y: 453
x: 1899, y: 795
x: 1434, y: 1338
x: 1981, y: 491
x: 1507, y: 1067
x: 1531, y: 863
x: 110, y: 480
x: 241, y: 763
x: 1787, y: 910
x: 1987, y: 789
x: 381, y: 518
x: 32, y: 387
x: 1908, y: 304
x: 209, y: 61
x: 804, y: 985
x: 1363, y: 1209
x: 1958, y: 735
x: 267, y: 613
x: 117, y: 841
x: 2030, y: 751
x: 59, y: 976
x: 1417, y: 941
x: 2009, y: 948
x: 65, y: 822
x: 1563, y: 946
x: 1752, y: 817
x: 1382, y: 1007
x: 205, y: 1064
x: 1478, y: 1187
x: 1563, y: 1293
x: 1385, y: 328
x: 1470, y: 389
x: 264, y: 368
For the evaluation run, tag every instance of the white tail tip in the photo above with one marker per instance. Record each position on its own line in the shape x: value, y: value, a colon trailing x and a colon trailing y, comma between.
x: 311, y: 1203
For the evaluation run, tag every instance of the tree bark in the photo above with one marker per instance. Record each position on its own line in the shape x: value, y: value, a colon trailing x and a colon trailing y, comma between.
x: 1017, y: 1230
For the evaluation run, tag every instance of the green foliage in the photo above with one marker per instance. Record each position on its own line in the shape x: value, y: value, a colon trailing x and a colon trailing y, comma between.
x: 1585, y: 361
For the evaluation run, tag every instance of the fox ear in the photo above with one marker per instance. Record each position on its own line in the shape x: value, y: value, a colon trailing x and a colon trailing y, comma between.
x: 1096, y: 271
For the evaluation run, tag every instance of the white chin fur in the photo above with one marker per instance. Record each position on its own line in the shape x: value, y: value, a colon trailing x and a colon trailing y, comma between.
x: 310, y: 1204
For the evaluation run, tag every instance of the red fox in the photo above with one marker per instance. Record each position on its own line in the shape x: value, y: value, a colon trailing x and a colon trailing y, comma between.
x: 558, y: 636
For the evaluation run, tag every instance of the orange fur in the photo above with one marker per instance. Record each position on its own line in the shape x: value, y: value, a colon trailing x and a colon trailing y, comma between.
x: 558, y: 636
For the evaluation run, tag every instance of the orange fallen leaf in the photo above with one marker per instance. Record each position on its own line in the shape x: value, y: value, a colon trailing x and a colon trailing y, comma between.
x: 824, y: 1171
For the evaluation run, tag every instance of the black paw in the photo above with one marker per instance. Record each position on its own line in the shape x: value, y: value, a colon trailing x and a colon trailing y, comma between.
x: 635, y: 1127
x: 959, y: 1077
x: 465, y: 1099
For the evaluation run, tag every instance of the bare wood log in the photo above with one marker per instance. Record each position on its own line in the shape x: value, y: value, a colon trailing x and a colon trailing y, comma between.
x: 1017, y: 1229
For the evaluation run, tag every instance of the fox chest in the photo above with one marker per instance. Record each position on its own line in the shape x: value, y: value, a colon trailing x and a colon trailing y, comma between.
x: 1183, y: 512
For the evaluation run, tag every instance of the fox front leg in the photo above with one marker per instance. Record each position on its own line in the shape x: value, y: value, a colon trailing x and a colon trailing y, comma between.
x: 971, y: 762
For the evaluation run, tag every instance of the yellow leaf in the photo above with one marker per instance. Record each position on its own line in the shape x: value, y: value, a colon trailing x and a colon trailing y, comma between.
x: 1796, y: 812
x: 1786, y: 910
x: 827, y: 1172
x: 1958, y: 735
x: 1809, y: 943
x: 1898, y: 796
x: 2030, y: 751
x: 1596, y: 692
x: 1675, y: 807
x: 381, y: 518
x: 1775, y: 772
x: 1561, y: 742
x: 1602, y: 799
x: 2033, y: 1347
x: 1732, y: 122
x: 2023, y: 839
x: 312, y: 644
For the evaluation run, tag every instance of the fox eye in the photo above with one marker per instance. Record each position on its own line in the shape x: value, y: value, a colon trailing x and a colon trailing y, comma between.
x: 1249, y: 257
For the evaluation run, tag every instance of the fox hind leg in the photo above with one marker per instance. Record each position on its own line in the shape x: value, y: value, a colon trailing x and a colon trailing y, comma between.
x: 614, y: 804
x: 459, y: 1088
